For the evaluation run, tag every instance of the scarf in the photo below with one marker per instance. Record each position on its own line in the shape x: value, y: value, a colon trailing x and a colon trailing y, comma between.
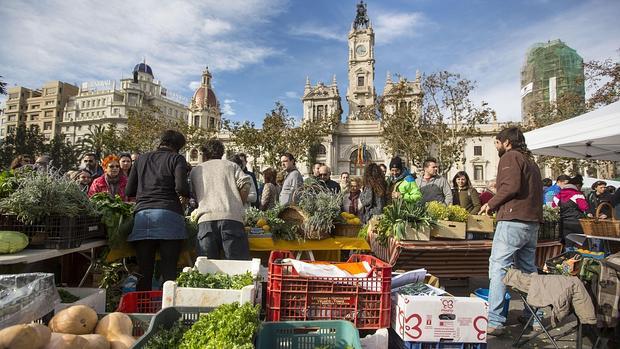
x: 353, y: 197
x: 112, y: 183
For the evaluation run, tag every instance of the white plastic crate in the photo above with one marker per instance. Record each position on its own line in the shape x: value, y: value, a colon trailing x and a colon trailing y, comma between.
x: 93, y: 297
x: 174, y: 295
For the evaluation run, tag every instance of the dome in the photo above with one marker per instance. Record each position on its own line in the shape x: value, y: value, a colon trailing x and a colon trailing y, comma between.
x: 199, y: 97
x: 143, y: 68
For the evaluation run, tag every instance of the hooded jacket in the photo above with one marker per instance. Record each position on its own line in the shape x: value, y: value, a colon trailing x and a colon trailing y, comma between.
x: 572, y: 203
x: 406, y: 186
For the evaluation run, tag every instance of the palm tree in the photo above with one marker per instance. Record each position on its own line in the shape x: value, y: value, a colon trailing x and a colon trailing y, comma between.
x: 95, y: 140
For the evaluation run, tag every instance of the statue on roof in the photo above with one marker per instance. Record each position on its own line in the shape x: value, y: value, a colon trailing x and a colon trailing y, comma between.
x: 361, y: 19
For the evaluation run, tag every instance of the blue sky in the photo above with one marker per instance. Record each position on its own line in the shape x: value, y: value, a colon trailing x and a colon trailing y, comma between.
x: 261, y: 51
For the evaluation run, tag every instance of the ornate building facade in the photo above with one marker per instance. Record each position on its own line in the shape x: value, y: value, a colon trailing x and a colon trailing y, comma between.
x: 204, y: 111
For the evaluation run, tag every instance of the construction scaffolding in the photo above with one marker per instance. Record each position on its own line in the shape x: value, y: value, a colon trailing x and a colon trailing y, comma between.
x: 550, y: 70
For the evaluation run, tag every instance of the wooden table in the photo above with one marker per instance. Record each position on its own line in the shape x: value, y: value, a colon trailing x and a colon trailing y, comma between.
x: 336, y: 244
x: 36, y: 255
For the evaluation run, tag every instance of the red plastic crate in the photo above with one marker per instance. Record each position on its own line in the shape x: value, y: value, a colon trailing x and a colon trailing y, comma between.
x: 144, y: 302
x: 364, y: 301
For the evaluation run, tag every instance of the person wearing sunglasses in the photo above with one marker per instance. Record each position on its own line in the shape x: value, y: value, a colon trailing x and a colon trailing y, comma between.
x: 112, y: 182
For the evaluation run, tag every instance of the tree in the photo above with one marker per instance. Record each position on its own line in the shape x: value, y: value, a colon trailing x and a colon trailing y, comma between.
x: 439, y: 127
x: 2, y: 87
x: 64, y: 155
x: 604, y: 78
x: 21, y: 141
x: 144, y: 126
x: 278, y: 134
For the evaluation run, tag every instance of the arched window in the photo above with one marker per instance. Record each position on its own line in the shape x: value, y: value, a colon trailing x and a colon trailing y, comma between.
x: 193, y: 155
x: 321, y: 150
x: 357, y: 163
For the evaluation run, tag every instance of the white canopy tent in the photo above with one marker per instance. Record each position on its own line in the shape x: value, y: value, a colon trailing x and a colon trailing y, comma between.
x: 594, y: 135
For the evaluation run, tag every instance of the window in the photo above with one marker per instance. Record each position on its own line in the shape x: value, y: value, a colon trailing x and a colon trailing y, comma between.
x: 478, y: 173
x: 47, y: 126
x: 83, y: 104
x: 358, y: 163
x: 10, y: 129
x: 49, y: 114
x: 34, y: 106
x: 11, y: 107
x: 11, y: 117
x: 321, y: 150
x: 477, y: 150
x: 50, y: 102
x: 196, y: 120
x: 115, y: 111
x: 319, y: 111
x: 360, y: 80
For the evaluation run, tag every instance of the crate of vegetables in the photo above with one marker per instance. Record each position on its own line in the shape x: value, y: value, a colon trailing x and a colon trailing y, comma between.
x: 363, y: 300
x: 214, y: 282
x: 227, y: 326
x: 309, y: 334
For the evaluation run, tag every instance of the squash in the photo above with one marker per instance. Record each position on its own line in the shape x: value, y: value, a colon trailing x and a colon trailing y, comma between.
x: 121, y: 341
x: 43, y: 335
x: 114, y: 324
x: 12, y: 241
x: 66, y: 341
x: 96, y: 341
x: 78, y: 319
x: 17, y: 337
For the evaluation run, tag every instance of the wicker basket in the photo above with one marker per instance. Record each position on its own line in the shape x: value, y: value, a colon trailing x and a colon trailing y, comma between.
x: 350, y: 230
x: 601, y: 227
x: 295, y: 215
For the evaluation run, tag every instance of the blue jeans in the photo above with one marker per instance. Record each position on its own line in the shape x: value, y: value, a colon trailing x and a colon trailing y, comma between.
x: 514, y: 242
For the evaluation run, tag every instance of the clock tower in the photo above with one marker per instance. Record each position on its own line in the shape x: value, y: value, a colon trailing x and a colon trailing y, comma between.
x: 361, y: 93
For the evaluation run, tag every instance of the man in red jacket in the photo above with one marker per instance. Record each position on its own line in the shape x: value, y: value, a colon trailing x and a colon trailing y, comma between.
x: 518, y: 203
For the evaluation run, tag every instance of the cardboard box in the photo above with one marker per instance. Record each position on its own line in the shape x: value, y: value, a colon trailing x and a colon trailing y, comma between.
x: 480, y: 224
x: 449, y: 230
x: 437, y: 318
x: 420, y: 234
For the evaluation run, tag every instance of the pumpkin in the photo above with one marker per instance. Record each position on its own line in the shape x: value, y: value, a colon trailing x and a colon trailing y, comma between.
x: 17, y: 337
x: 66, y: 341
x: 114, y: 324
x: 78, y: 319
x: 43, y: 335
x: 121, y: 341
x: 96, y: 341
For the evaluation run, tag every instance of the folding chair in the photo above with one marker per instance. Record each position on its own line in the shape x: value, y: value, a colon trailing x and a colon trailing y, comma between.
x: 534, y: 317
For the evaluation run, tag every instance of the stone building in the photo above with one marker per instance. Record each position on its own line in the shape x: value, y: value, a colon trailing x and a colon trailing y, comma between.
x: 204, y: 111
x: 109, y: 103
x: 41, y: 108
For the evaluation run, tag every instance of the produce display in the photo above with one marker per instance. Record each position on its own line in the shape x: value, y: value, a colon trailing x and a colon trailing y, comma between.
x: 12, y: 241
x: 117, y: 218
x: 398, y: 216
x: 350, y: 218
x: 193, y: 278
x: 322, y: 207
x: 551, y: 214
x: 167, y: 338
x: 228, y: 326
x: 42, y: 194
x: 30, y: 336
x: 78, y: 319
x: 439, y: 211
x: 269, y: 222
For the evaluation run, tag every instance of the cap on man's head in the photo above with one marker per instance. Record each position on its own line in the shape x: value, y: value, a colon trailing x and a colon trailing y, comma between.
x: 597, y: 183
x: 396, y: 162
x: 563, y: 178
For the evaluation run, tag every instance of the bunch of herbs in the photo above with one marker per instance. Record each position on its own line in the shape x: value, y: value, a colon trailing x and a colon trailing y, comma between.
x: 194, y: 278
x: 322, y: 206
x: 398, y: 216
x: 167, y: 338
x: 42, y: 194
x: 117, y: 216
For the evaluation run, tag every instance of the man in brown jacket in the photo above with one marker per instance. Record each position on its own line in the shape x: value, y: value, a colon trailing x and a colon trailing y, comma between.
x: 518, y: 202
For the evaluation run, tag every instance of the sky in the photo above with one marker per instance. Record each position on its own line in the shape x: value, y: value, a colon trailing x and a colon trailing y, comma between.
x: 261, y: 51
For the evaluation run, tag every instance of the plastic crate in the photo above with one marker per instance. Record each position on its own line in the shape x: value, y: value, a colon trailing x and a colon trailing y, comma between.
x: 91, y: 227
x: 92, y: 297
x: 167, y: 317
x: 207, y: 297
x: 142, y: 302
x: 308, y: 335
x: 51, y: 232
x: 365, y: 301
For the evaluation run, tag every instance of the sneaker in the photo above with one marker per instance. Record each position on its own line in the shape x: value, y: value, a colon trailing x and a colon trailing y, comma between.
x: 496, y: 331
x: 533, y: 324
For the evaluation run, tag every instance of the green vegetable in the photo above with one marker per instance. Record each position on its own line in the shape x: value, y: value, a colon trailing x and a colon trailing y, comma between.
x: 457, y: 213
x: 12, y: 241
x: 117, y: 216
x: 321, y: 205
x: 437, y: 210
x: 397, y: 216
x: 551, y: 214
x: 228, y: 326
x: 43, y: 194
x: 167, y: 338
x: 67, y: 297
x: 193, y: 278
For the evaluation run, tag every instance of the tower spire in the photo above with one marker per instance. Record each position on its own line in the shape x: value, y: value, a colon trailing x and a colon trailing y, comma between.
x: 388, y: 79
x: 334, y: 82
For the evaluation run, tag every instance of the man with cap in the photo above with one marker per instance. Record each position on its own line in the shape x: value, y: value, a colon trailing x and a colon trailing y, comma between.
x: 553, y: 190
x: 402, y: 183
x: 597, y: 196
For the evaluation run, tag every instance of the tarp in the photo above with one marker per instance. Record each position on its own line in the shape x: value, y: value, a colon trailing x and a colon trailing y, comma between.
x: 594, y: 135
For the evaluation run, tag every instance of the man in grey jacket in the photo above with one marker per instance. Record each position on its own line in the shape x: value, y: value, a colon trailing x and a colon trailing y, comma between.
x: 292, y: 181
x: 433, y: 186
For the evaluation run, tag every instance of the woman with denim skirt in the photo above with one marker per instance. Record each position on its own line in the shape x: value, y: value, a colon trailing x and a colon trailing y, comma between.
x: 158, y: 180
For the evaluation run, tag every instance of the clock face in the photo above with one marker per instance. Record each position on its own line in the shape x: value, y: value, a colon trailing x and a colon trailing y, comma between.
x: 360, y: 50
